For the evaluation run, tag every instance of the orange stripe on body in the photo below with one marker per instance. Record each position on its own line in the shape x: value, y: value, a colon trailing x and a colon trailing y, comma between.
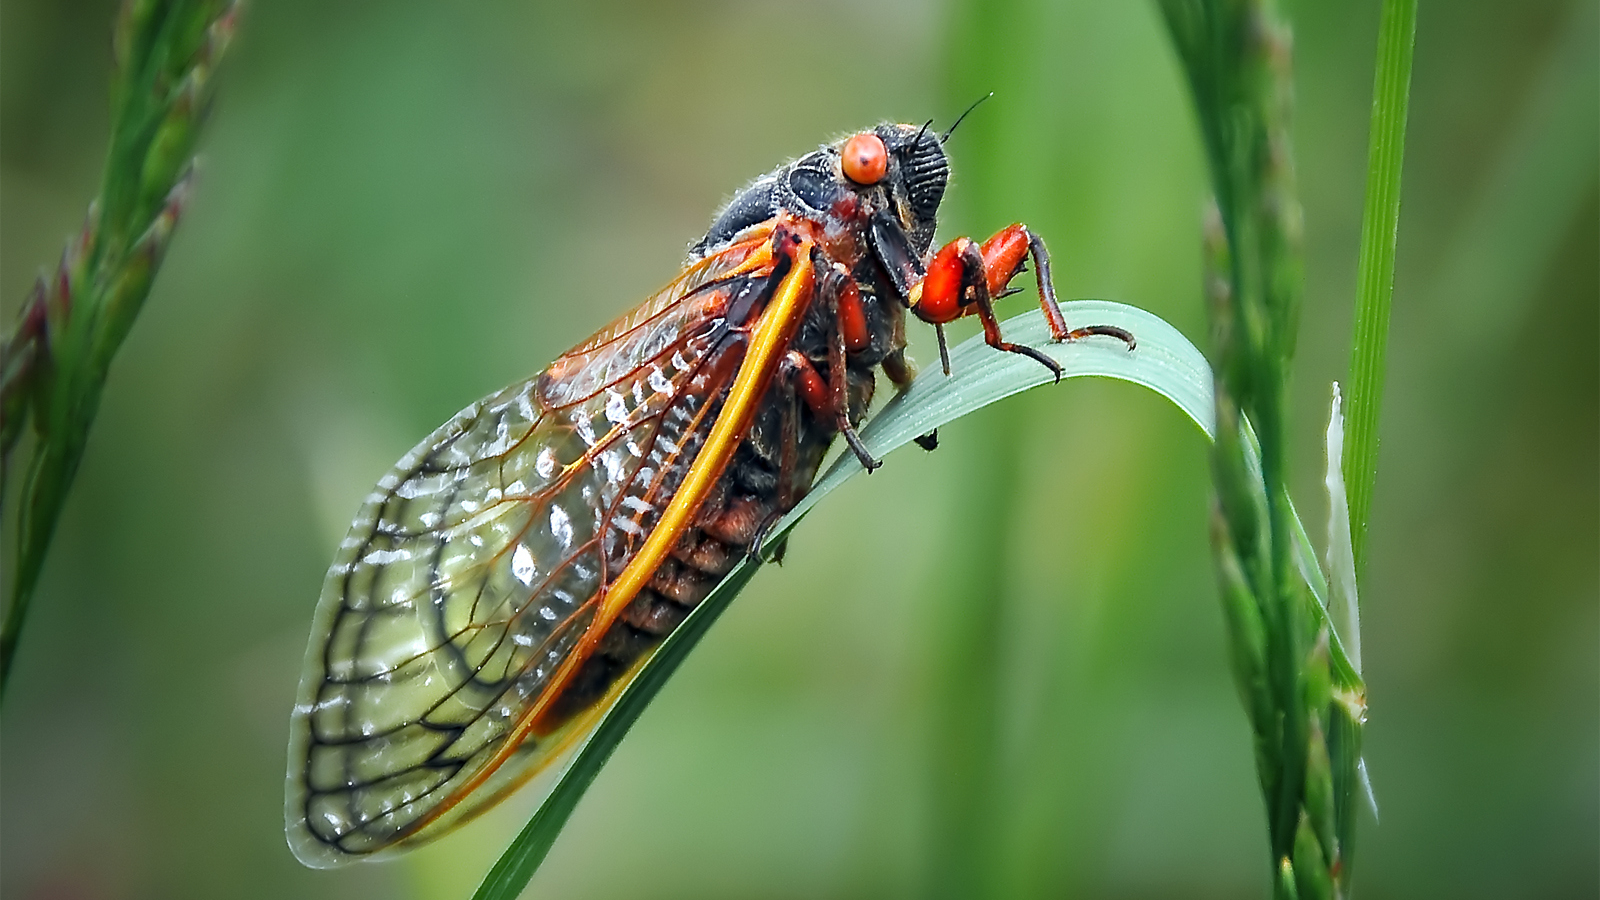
x: 779, y: 322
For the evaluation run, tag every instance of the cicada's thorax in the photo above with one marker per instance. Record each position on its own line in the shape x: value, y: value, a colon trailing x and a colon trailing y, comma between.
x: 878, y: 238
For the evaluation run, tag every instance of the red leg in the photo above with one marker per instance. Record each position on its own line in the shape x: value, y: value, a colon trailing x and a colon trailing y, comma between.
x: 828, y: 399
x: 853, y: 317
x: 1002, y: 261
x: 964, y: 279
x: 957, y: 284
x: 808, y: 383
x: 840, y: 385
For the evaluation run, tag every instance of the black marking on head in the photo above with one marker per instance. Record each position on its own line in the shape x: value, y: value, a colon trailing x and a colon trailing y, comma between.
x: 921, y: 172
x: 926, y: 173
x: 813, y: 185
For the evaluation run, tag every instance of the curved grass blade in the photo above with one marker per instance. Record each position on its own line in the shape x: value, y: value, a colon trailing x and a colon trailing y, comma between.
x: 1165, y: 362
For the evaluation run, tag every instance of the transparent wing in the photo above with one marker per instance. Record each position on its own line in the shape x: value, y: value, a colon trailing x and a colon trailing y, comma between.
x: 476, y: 565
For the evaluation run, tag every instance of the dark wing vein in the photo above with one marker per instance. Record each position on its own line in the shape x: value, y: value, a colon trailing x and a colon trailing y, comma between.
x: 474, y: 567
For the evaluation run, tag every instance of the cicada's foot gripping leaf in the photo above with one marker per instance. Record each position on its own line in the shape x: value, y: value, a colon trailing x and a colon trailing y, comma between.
x: 965, y: 278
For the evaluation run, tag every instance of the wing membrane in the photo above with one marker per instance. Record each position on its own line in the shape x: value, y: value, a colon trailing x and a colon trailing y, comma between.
x: 476, y: 565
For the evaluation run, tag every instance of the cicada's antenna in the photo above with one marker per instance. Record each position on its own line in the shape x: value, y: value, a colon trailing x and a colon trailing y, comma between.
x: 946, y: 135
x: 917, y: 141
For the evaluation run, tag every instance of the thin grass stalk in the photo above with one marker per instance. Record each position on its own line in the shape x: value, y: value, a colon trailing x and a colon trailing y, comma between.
x: 1300, y: 694
x: 1380, y: 222
x: 55, y: 361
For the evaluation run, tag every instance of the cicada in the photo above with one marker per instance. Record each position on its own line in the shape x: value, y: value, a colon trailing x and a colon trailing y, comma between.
x: 512, y: 573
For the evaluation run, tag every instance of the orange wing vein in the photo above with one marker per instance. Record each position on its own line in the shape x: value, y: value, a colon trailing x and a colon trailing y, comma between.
x: 488, y: 563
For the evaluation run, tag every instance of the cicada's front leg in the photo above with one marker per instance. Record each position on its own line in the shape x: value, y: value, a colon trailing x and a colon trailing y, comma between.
x: 829, y: 398
x: 799, y: 382
x: 965, y: 278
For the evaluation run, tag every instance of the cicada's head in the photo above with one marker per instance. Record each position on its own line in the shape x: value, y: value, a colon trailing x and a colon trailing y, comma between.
x: 893, y: 176
x: 908, y: 163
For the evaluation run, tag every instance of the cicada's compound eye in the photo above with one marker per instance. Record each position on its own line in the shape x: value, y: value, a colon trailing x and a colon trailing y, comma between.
x: 864, y: 158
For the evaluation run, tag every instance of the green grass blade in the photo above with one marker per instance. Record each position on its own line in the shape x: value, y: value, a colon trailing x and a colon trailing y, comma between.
x: 1165, y: 362
x: 55, y: 361
x: 1391, y: 91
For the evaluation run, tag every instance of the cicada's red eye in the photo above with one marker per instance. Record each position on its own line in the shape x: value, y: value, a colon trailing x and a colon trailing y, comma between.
x: 864, y: 158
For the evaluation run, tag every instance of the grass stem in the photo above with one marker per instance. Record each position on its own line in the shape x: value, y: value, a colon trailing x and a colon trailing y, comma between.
x: 1391, y: 91
x: 54, y: 363
x: 1302, y: 697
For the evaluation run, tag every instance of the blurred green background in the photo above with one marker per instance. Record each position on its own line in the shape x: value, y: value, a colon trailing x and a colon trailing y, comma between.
x: 993, y: 670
